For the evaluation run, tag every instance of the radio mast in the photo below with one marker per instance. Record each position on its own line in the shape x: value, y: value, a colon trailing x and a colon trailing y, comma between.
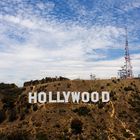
x: 126, y: 71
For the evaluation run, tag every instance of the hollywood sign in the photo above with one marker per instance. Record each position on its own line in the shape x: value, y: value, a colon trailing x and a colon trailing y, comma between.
x: 65, y: 97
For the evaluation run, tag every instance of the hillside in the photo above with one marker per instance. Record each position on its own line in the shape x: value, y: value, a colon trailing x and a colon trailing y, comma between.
x: 119, y: 119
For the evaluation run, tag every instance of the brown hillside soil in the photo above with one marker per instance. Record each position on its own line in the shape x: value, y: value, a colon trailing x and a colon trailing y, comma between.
x: 118, y: 119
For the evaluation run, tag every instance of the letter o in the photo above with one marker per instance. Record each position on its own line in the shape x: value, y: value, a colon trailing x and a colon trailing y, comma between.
x: 94, y: 97
x: 85, y: 97
x: 42, y: 97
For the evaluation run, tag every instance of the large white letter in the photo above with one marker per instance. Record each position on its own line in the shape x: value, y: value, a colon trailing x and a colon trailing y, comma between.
x: 59, y: 100
x: 42, y: 97
x: 66, y: 96
x: 105, y: 96
x: 75, y: 96
x: 85, y: 97
x: 33, y: 96
x: 50, y: 98
x: 94, y: 96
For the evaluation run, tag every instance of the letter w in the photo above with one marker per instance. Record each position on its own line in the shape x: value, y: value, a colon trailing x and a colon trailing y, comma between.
x: 75, y: 97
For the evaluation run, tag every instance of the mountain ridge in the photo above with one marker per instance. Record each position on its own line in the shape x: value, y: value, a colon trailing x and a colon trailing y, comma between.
x: 117, y: 119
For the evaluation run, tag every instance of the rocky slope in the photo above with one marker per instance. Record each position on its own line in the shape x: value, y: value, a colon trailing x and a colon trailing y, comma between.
x: 119, y: 119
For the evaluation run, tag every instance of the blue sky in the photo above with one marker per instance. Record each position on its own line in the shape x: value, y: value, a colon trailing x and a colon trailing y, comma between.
x: 72, y: 38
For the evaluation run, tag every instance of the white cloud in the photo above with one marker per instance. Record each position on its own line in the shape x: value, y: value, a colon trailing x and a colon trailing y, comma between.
x: 46, y: 6
x: 131, y: 5
x: 51, y: 48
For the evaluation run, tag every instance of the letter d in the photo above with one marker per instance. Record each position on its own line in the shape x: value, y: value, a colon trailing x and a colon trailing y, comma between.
x: 105, y: 96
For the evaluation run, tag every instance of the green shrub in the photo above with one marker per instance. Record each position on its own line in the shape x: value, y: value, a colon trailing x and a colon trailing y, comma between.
x: 12, y: 115
x: 108, y: 84
x: 76, y: 126
x: 90, y: 90
x: 100, y: 104
x: 68, y: 85
x: 82, y: 111
x: 41, y: 136
x: 2, y: 116
x: 17, y: 136
x: 22, y: 116
x: 59, y: 84
x: 102, y: 87
x: 129, y: 88
x: 35, y: 108
x: 126, y: 134
x: 114, y: 81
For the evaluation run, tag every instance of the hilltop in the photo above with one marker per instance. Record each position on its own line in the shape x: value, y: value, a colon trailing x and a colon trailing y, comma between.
x: 119, y: 119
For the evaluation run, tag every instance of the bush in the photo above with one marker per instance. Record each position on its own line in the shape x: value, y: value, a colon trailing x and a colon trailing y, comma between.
x: 82, y: 111
x: 41, y: 136
x: 62, y: 110
x: 118, y: 80
x: 59, y: 84
x: 129, y: 88
x: 57, y: 125
x: 100, y: 104
x: 2, y: 116
x: 68, y: 85
x: 126, y: 134
x: 12, y: 115
x: 35, y: 108
x: 62, y: 136
x: 102, y: 87
x: 17, y: 136
x: 8, y: 103
x: 114, y: 98
x: 123, y: 114
x: 114, y: 81
x: 90, y: 90
x: 76, y: 126
x: 22, y: 116
x: 108, y: 84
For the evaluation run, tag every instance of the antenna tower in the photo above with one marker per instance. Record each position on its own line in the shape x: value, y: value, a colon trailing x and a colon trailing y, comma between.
x: 126, y: 71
